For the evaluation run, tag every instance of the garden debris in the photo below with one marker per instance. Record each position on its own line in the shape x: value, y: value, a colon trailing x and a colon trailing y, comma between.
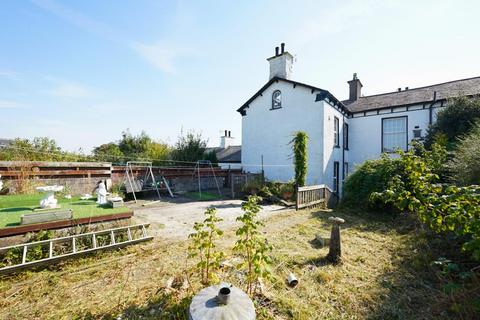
x: 292, y: 280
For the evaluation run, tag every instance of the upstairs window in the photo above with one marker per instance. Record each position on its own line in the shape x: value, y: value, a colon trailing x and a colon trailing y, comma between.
x: 277, y: 99
x: 394, y: 134
x: 336, y: 132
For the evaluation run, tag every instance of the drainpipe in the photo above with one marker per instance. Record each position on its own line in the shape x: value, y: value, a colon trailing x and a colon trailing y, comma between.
x: 430, y: 108
x: 340, y: 191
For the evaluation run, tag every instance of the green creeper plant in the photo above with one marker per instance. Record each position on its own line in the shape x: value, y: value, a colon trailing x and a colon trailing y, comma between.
x: 299, y: 143
x: 203, y: 246
x: 252, y: 246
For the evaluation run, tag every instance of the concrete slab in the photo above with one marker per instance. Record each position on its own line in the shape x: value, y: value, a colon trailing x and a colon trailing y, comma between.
x: 175, y: 220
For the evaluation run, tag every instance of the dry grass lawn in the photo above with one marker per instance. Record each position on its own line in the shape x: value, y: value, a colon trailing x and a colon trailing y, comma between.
x: 383, y: 276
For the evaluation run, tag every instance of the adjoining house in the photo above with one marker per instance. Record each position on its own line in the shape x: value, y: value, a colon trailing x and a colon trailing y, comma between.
x: 229, y: 155
x: 342, y: 134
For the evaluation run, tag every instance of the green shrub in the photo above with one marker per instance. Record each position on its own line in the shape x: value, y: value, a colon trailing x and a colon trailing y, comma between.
x: 465, y: 166
x: 371, y: 176
x: 444, y: 209
x: 454, y: 120
x: 253, y: 186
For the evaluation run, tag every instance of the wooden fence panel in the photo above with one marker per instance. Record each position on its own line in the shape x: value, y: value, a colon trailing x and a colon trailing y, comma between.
x: 314, y: 195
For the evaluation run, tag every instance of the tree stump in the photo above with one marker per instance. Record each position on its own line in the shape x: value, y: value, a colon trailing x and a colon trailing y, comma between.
x: 335, y: 251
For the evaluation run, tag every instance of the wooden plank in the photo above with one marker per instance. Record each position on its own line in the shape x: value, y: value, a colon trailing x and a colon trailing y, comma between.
x: 308, y: 204
x: 14, y: 173
x: 307, y: 188
x: 53, y: 164
x: 10, y: 231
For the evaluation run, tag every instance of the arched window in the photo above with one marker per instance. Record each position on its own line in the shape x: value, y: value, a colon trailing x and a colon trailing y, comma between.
x: 276, y: 99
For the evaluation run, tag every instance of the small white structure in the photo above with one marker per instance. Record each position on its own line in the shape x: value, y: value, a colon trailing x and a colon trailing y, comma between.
x: 49, y: 200
x: 342, y: 133
x: 101, y: 193
x: 1, y: 182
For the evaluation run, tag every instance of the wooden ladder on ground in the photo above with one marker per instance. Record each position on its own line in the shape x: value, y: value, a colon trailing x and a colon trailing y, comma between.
x: 45, y: 251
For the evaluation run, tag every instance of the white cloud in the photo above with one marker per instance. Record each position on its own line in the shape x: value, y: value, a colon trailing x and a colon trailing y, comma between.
x: 160, y: 56
x: 67, y: 89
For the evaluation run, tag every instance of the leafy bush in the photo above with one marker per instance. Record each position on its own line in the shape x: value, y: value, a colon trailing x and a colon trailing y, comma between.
x: 371, y: 176
x: 454, y: 120
x: 465, y: 166
x: 444, y: 209
x: 253, y: 186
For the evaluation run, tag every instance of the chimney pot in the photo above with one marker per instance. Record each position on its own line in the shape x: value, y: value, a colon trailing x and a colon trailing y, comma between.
x: 283, y: 47
x: 406, y: 88
x: 399, y: 89
x: 276, y: 51
x: 229, y: 133
x: 226, y: 133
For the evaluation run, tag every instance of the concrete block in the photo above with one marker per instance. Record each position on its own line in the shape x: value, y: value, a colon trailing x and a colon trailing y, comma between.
x: 40, y: 217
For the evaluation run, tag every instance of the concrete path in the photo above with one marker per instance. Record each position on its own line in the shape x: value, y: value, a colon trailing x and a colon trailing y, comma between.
x: 175, y: 220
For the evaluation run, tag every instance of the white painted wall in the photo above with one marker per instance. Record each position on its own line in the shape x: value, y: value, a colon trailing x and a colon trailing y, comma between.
x: 268, y: 132
x: 332, y: 153
x: 366, y: 131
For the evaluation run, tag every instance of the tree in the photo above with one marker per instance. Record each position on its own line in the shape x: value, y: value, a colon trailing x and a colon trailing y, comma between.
x: 189, y: 148
x: 465, y: 163
x: 109, y: 152
x: 300, y: 157
x: 454, y: 120
x: 134, y: 146
x: 38, y: 149
x: 131, y: 147
x: 211, y: 156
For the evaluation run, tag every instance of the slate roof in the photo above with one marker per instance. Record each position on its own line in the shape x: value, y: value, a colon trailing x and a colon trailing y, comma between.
x: 323, y: 94
x: 463, y: 87
x: 232, y: 154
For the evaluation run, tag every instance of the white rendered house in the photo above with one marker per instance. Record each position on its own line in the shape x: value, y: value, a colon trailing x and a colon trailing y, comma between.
x: 342, y: 134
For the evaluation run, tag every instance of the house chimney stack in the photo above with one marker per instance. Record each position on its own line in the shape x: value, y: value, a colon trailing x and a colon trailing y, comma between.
x: 226, y: 140
x: 281, y: 63
x: 355, y: 88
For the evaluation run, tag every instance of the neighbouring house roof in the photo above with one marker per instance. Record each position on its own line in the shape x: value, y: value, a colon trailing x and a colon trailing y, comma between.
x: 441, y: 91
x: 4, y: 142
x: 231, y: 154
x: 323, y: 94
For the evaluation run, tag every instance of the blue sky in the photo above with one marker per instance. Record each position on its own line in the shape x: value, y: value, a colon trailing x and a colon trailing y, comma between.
x: 82, y: 71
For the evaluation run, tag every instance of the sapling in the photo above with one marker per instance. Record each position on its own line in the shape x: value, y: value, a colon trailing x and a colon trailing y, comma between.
x: 251, y: 245
x: 203, y: 246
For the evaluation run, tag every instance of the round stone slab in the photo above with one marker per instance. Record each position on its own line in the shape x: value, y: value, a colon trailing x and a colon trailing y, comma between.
x: 205, y: 306
x: 336, y: 220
